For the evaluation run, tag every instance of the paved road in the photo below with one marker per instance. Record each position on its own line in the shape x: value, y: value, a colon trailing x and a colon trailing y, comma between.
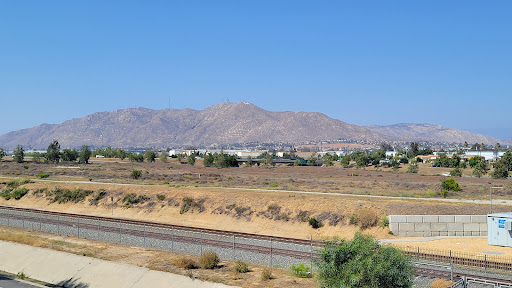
x: 9, y: 282
x: 486, y: 202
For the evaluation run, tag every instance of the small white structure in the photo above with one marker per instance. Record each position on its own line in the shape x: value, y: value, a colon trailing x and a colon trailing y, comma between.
x: 100, y: 156
x: 499, y: 227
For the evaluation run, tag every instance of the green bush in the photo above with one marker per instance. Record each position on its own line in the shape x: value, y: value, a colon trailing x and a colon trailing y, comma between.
x: 17, y: 183
x: 18, y: 193
x: 190, y: 203
x: 445, y: 193
x: 132, y: 199
x: 301, y: 270
x: 209, y: 260
x: 99, y: 195
x: 363, y: 262
x: 384, y: 221
x: 65, y: 195
x: 6, y: 194
x: 314, y: 223
x: 136, y: 174
x: 450, y: 184
x: 160, y: 197
x: 456, y: 172
x: 42, y: 175
x: 240, y: 267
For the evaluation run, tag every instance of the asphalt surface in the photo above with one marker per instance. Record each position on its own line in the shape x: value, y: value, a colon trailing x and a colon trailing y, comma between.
x: 9, y: 282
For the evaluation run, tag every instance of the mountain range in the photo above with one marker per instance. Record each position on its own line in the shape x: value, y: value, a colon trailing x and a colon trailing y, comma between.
x: 224, y: 123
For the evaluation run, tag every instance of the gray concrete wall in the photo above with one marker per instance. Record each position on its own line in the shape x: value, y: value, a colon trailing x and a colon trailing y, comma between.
x: 438, y: 225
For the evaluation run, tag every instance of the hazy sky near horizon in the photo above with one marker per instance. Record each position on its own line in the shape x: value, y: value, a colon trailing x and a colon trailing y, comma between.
x: 363, y: 62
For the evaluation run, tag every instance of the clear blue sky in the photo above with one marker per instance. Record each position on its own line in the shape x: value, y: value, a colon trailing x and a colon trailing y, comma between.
x: 363, y: 62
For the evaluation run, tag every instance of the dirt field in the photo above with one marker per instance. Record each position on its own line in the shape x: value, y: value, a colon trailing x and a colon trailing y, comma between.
x: 168, y: 185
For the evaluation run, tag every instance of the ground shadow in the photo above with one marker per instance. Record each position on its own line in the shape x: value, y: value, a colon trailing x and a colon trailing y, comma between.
x: 72, y: 283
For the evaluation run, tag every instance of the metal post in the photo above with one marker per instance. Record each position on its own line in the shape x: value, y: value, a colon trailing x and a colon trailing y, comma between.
x: 119, y: 231
x: 58, y: 224
x: 201, y: 233
x: 270, y: 253
x: 451, y: 270
x: 40, y: 220
x: 311, y: 254
x: 172, y: 239
x: 234, y: 251
x: 144, y: 235
x: 418, y: 254
x: 485, y: 259
x: 98, y: 229
x: 23, y: 218
x: 78, y: 220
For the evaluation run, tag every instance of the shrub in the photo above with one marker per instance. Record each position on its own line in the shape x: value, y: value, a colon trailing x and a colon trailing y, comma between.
x: 65, y: 195
x: 444, y: 193
x: 190, y: 203
x: 96, y: 199
x: 184, y: 263
x: 353, y: 220
x: 363, y: 262
x: 209, y: 260
x: 450, y: 184
x: 240, y: 267
x: 266, y: 274
x: 17, y: 183
x: 314, y: 223
x: 384, y: 221
x: 18, y: 193
x: 413, y: 168
x: 301, y: 270
x: 25, y: 166
x: 366, y: 218
x: 42, y: 175
x: 6, y: 194
x: 132, y: 199
x: 160, y: 197
x: 136, y: 174
x: 40, y: 190
x: 456, y: 172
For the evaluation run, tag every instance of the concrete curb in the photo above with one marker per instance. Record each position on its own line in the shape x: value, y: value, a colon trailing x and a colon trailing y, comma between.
x: 69, y: 270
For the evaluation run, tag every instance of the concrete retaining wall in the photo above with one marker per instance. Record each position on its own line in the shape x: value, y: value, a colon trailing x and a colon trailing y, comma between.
x: 438, y: 225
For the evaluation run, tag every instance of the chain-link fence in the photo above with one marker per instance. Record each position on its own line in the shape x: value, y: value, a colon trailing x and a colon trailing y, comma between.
x: 271, y: 251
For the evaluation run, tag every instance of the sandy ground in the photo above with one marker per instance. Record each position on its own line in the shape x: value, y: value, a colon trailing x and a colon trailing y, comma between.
x: 469, y: 246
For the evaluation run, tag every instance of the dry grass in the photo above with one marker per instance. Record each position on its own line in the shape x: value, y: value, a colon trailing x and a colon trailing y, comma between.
x: 154, y: 259
x: 440, y: 283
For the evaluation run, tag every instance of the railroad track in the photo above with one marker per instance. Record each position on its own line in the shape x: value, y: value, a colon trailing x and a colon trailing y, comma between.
x: 73, y: 220
x: 443, y: 274
x: 303, y: 250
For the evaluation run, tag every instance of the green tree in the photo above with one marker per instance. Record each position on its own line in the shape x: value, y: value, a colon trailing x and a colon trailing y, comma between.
x: 413, y: 149
x: 191, y: 159
x: 362, y: 160
x: 164, y: 156
x: 456, y: 172
x: 413, y: 166
x: 363, y: 262
x: 450, y: 184
x: 507, y: 159
x: 312, y: 159
x: 36, y: 157
x: 69, y: 155
x: 249, y: 161
x: 53, y: 152
x: 135, y: 157
x: 500, y: 170
x: 85, y: 154
x: 345, y: 161
x: 480, y: 169
x: 119, y: 153
x: 19, y: 154
x: 149, y: 156
x: 208, y: 160
x: 473, y: 161
x: 2, y: 153
x: 179, y: 157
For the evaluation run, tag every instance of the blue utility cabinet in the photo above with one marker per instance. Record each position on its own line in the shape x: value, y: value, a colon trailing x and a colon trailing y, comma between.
x: 499, y: 229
